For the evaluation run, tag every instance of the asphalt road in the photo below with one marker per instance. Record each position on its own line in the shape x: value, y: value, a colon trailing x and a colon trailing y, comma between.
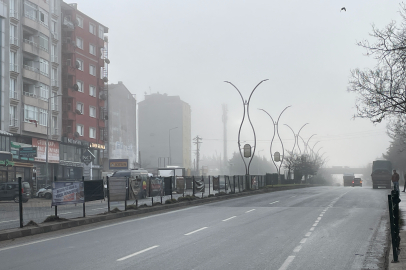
x: 312, y: 228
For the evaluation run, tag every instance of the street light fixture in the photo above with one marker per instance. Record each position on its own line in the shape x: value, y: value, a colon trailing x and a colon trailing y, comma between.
x: 170, y: 160
x: 307, y: 143
x: 46, y: 149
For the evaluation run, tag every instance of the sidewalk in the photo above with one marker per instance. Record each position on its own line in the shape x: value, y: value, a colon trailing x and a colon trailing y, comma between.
x: 402, y: 256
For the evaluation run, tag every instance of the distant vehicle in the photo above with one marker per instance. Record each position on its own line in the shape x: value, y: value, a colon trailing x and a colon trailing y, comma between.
x: 9, y: 191
x: 348, y: 179
x: 45, y: 190
x: 381, y: 173
x: 357, y: 182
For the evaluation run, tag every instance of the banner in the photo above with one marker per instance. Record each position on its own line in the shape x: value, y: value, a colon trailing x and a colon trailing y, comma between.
x: 67, y: 193
x: 216, y: 183
x: 189, y: 182
x: 180, y: 185
x: 199, y: 185
x: 157, y: 188
x: 117, y: 188
x: 94, y: 190
x: 53, y: 150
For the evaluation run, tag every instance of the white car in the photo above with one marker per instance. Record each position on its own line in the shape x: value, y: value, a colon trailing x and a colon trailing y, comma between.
x: 45, y: 192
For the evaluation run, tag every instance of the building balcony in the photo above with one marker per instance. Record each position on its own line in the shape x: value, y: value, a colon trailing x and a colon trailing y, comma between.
x: 14, y: 68
x: 14, y: 42
x: 30, y: 47
x: 32, y: 22
x: 54, y: 35
x: 31, y: 73
x: 14, y: 15
x: 68, y: 47
x: 55, y: 84
x: 68, y: 25
x: 13, y: 122
x: 69, y: 115
x: 54, y: 59
x: 14, y: 95
x: 34, y: 127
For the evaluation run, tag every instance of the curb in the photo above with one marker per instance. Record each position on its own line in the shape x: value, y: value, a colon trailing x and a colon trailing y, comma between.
x: 55, y: 226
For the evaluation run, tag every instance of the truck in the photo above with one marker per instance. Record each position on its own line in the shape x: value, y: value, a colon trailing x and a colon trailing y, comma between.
x: 348, y: 179
x: 381, y: 173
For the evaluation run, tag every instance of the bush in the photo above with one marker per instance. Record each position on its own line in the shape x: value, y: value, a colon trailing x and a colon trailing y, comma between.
x: 187, y: 198
x: 221, y: 194
x: 169, y: 201
x: 210, y: 195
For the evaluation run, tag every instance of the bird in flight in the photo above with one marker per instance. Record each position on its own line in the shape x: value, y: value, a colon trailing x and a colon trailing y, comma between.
x: 343, y: 8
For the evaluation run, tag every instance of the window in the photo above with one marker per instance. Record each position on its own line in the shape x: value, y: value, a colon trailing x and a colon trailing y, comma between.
x: 30, y: 10
x: 54, y: 53
x: 101, y: 32
x: 30, y: 113
x: 92, y: 49
x: 13, y: 61
x: 43, y: 17
x: 102, y: 53
x: 79, y: 129
x: 92, y: 28
x: 101, y: 72
x: 13, y: 34
x: 92, y: 133
x: 80, y: 107
x: 92, y: 111
x: 44, y: 67
x: 79, y: 42
x: 13, y: 85
x: 79, y: 21
x: 43, y: 42
x: 54, y: 125
x: 79, y: 63
x: 13, y: 115
x: 29, y: 90
x: 92, y: 90
x: 80, y: 85
x: 44, y: 91
x: 92, y: 70
x: 54, y: 77
x: 54, y: 101
x: 43, y: 117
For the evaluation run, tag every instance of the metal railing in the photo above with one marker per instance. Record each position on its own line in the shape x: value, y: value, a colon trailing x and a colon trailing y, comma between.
x: 13, y: 94
x: 44, y: 24
x: 43, y: 48
x: 13, y: 14
x: 54, y: 83
x: 30, y: 68
x: 54, y: 131
x: 30, y: 42
x: 54, y: 35
x: 13, y: 122
x: 54, y: 58
x: 29, y: 16
x: 13, y: 67
x: 29, y: 94
x: 393, y: 202
x: 54, y: 106
x: 14, y: 41
x: 44, y: 73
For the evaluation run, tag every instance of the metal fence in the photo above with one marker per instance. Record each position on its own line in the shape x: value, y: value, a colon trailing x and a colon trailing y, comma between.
x: 79, y: 198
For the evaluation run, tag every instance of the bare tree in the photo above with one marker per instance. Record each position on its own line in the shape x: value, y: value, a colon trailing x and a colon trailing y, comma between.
x: 382, y: 91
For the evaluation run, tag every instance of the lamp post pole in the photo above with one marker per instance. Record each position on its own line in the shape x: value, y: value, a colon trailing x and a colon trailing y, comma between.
x: 307, y: 143
x: 170, y: 159
x: 46, y: 146
x: 298, y: 137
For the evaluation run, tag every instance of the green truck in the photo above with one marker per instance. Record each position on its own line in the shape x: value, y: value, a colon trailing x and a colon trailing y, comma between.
x: 381, y: 173
x: 348, y: 179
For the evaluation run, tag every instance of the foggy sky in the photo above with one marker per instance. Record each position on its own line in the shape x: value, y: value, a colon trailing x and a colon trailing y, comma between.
x: 305, y: 48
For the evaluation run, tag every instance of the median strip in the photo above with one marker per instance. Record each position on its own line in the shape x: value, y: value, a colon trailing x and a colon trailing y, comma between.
x: 136, y: 253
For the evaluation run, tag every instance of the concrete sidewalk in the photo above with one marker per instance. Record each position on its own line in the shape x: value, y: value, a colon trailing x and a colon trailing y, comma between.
x: 402, y: 256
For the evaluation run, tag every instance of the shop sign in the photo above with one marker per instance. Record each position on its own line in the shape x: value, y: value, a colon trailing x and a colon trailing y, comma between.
x: 15, y: 150
x: 118, y: 164
x: 76, y: 142
x: 53, y: 150
x: 6, y: 163
x: 28, y: 153
x: 87, y: 157
x: 70, y: 163
x: 98, y: 146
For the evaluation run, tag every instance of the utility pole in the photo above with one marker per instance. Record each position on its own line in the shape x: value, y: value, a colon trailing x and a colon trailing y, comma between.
x: 197, y: 141
x: 225, y: 118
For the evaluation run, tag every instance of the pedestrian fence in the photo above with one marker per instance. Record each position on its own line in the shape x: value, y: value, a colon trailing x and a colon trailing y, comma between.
x: 393, y: 201
x: 80, y: 198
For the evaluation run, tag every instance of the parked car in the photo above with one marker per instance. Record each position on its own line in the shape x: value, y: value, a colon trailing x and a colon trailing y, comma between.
x: 45, y: 192
x: 9, y: 191
x: 357, y: 182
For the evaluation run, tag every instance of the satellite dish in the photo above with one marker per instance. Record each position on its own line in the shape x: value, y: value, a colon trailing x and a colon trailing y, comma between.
x: 76, y: 134
x: 106, y: 38
x: 76, y: 22
x: 75, y: 87
x: 78, y: 112
x: 107, y: 61
x: 106, y: 117
x: 77, y: 64
x: 105, y: 79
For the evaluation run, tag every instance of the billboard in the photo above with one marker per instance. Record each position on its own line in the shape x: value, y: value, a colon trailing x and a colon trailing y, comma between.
x: 53, y: 150
x: 118, y: 164
x: 67, y: 193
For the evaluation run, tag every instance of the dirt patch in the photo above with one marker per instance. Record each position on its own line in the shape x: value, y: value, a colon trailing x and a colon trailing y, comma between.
x: 54, y: 218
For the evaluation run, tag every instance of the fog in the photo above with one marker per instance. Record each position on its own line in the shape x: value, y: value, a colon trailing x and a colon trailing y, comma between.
x: 305, y: 48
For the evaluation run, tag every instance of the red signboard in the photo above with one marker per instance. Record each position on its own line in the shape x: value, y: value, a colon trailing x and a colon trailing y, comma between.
x: 53, y: 150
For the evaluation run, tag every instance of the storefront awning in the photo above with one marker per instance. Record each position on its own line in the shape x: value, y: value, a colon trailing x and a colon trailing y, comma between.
x: 2, y: 132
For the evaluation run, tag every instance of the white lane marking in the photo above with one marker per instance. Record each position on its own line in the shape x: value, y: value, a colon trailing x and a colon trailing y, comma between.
x: 136, y: 253
x: 201, y: 229
x: 317, y: 221
x: 312, y: 229
x: 287, y: 262
x: 318, y: 218
x: 9, y: 221
x: 229, y: 218
x: 308, y: 234
x: 303, y: 241
x: 95, y: 229
x: 99, y: 208
x: 298, y: 248
x: 274, y: 202
x: 293, y: 196
x: 315, y: 224
x: 250, y: 210
x: 65, y: 213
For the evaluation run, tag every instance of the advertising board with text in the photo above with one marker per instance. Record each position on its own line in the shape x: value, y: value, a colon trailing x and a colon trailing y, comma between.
x: 67, y: 193
x: 53, y: 150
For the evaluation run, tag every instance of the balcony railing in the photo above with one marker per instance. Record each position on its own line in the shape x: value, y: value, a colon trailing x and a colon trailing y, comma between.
x: 13, y: 67
x: 30, y: 68
x: 13, y: 122
x: 54, y: 35
x: 54, y: 106
x: 68, y: 23
x: 54, y: 83
x: 44, y: 24
x: 14, y: 41
x: 13, y: 94
x: 43, y: 48
x: 30, y: 42
x: 13, y: 14
x: 54, y: 131
x: 30, y: 16
x: 54, y: 58
x: 43, y: 73
x: 54, y: 10
x: 30, y: 94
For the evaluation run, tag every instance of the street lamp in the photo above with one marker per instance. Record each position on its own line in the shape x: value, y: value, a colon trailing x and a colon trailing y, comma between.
x: 170, y: 160
x: 46, y: 149
x: 307, y: 143
x: 298, y: 137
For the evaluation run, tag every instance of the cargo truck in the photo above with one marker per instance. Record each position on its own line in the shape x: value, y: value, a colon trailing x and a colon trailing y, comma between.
x: 381, y: 173
x: 348, y: 179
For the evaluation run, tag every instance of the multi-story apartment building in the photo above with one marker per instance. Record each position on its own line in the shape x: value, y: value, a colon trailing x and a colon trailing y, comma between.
x: 122, y: 110
x: 30, y: 85
x: 84, y: 78
x: 164, y: 131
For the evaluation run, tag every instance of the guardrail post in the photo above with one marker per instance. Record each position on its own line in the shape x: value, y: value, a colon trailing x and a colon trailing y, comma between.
x: 20, y: 201
x: 84, y: 197
x: 56, y: 207
x: 209, y: 185
x: 126, y: 193
x: 393, y: 203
